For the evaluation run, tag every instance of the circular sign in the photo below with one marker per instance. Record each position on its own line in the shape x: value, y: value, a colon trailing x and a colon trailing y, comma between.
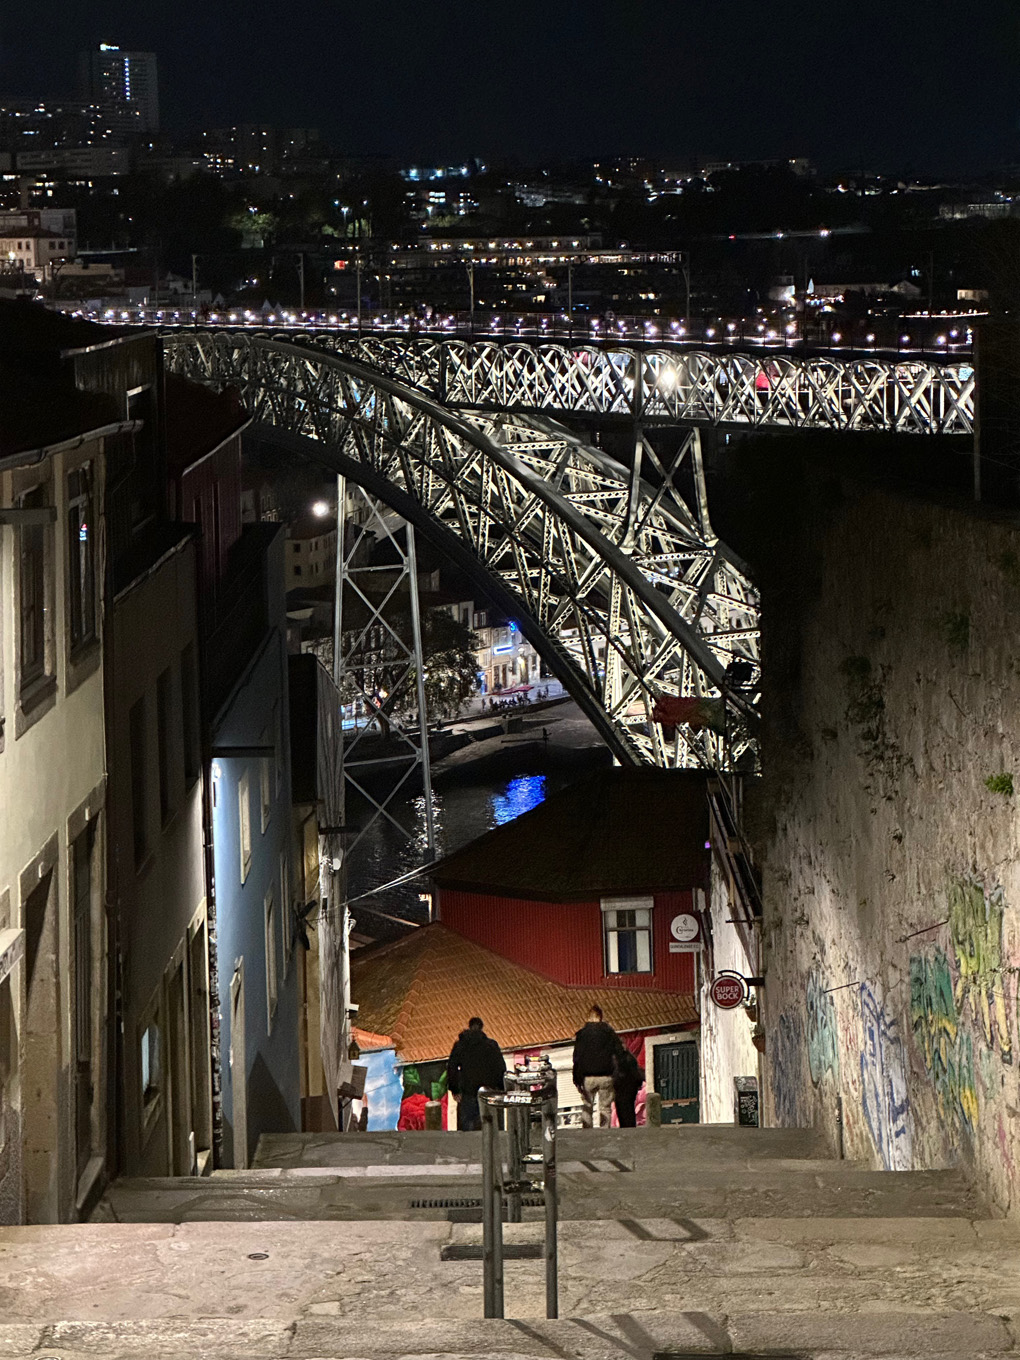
x: 727, y: 991
x: 684, y: 927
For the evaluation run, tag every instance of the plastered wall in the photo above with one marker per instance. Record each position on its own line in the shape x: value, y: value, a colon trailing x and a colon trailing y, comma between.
x: 891, y: 878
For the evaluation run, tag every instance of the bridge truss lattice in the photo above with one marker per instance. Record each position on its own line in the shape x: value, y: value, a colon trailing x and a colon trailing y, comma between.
x: 623, y: 589
x: 672, y: 385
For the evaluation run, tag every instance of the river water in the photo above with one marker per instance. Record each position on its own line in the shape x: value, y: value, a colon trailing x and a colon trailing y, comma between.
x: 462, y: 811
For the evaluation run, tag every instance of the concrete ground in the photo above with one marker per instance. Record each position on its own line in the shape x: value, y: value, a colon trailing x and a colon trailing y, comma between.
x: 681, y: 1241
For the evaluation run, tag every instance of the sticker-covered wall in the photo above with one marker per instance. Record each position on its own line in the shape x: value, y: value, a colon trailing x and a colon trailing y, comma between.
x: 891, y: 876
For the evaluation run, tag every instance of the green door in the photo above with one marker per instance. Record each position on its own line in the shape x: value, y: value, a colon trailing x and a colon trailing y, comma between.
x: 676, y: 1078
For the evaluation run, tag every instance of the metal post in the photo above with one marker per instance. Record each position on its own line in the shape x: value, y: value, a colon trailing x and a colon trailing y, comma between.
x: 517, y: 1133
x: 552, y: 1295
x: 335, y: 847
x: 423, y: 717
x: 570, y: 294
x: 492, y: 1213
x: 338, y: 603
x: 357, y: 267
x: 471, y: 281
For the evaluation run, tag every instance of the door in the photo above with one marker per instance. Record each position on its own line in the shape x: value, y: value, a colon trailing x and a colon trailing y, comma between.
x: 42, y: 1116
x: 81, y: 908
x: 238, y: 1075
x: 676, y: 1077
x: 198, y: 1032
x: 178, y: 1078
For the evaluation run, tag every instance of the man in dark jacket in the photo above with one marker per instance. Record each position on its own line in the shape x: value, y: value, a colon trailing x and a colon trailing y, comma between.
x: 628, y: 1078
x: 595, y: 1045
x: 475, y: 1061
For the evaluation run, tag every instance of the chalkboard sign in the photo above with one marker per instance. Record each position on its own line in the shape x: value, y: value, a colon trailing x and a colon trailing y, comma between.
x: 746, y: 1101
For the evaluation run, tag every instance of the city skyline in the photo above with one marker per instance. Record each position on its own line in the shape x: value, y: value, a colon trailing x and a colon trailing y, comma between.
x: 855, y: 86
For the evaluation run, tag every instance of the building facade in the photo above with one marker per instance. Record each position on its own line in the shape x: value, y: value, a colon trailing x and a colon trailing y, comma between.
x: 54, y: 994
x: 254, y: 856
x: 122, y: 82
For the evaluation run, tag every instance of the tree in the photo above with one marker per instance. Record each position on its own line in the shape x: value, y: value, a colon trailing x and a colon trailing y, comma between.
x: 450, y: 663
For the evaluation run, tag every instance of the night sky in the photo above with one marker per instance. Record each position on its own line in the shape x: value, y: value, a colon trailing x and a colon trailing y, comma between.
x: 887, y: 84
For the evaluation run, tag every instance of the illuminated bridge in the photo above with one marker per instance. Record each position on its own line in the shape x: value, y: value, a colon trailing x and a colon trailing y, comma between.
x: 622, y: 587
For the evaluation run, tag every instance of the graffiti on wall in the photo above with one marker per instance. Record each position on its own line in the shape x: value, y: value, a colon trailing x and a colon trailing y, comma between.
x: 975, y: 927
x: 786, y: 1050
x: 884, y: 1084
x: 959, y: 1010
x: 820, y: 1026
x: 946, y: 1049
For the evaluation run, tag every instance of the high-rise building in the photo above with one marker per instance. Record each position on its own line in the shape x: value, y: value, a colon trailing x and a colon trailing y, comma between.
x: 122, y: 81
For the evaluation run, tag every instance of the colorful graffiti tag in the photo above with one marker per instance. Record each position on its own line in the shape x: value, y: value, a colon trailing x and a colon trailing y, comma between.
x: 884, y: 1084
x: 820, y: 1026
x: 787, y: 1053
x: 946, y: 1050
x: 975, y: 927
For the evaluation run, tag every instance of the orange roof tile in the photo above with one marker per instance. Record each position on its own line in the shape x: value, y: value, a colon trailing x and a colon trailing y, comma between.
x: 423, y: 988
x: 367, y: 1041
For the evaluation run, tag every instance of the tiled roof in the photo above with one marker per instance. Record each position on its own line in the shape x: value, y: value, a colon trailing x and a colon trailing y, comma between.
x: 423, y: 989
x: 369, y: 1042
x: 621, y: 830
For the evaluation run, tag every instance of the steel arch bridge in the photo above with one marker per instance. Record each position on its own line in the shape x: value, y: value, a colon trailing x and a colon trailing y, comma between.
x: 673, y: 385
x: 622, y: 588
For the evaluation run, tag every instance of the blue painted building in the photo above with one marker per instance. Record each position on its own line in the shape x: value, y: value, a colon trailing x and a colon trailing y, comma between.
x: 254, y: 854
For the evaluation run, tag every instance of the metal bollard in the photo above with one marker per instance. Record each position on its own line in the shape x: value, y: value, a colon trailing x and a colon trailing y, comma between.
x: 531, y: 1089
x: 653, y: 1109
x: 517, y: 1129
x: 492, y: 1211
x: 552, y: 1299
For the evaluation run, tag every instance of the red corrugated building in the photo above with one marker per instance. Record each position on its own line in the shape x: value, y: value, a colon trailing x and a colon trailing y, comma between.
x: 588, y: 887
x: 602, y: 886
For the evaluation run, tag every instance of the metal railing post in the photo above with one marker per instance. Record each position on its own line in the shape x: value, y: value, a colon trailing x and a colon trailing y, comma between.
x: 517, y: 1117
x: 552, y: 1298
x: 492, y: 1212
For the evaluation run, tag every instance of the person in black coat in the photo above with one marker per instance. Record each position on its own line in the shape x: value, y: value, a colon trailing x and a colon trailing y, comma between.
x: 595, y: 1045
x: 628, y: 1078
x: 475, y: 1061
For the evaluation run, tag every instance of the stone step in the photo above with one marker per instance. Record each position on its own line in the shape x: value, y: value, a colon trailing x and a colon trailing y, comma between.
x: 367, y: 1274
x: 679, y: 1142
x: 597, y: 1189
x: 896, y: 1334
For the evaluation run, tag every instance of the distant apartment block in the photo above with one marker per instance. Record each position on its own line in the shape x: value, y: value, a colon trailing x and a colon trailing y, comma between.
x: 122, y: 82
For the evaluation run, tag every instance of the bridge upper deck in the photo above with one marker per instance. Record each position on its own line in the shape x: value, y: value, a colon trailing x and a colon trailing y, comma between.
x: 671, y: 383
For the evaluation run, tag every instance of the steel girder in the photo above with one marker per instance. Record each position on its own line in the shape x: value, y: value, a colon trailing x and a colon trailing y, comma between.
x: 625, y: 590
x: 676, y: 386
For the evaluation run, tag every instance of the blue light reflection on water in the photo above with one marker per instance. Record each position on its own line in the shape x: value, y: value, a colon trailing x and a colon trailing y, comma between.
x: 522, y: 794
x: 461, y: 812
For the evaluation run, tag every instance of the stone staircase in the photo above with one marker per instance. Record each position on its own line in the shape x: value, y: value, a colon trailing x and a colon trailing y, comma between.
x: 681, y: 1241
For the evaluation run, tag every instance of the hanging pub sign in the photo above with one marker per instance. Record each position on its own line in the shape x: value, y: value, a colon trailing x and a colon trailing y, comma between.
x: 728, y: 991
x: 685, y: 933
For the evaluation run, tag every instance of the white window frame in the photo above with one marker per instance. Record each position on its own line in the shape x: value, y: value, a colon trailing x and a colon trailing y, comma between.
x: 286, y: 910
x: 643, y: 909
x: 272, y: 963
x: 265, y: 793
x: 244, y: 822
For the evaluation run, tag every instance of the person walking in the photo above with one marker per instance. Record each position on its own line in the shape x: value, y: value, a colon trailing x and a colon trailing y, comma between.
x: 475, y: 1061
x: 595, y: 1044
x: 628, y: 1078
